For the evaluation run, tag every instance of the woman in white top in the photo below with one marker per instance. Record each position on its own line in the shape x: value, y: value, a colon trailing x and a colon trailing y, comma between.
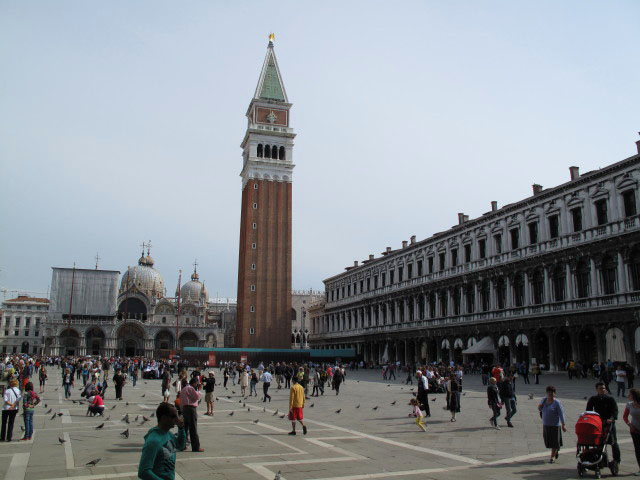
x: 9, y: 410
x: 621, y: 376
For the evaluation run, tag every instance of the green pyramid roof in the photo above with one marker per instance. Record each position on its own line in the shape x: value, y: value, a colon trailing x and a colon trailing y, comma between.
x: 271, y: 86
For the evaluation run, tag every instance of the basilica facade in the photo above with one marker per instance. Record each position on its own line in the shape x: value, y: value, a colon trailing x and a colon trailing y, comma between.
x: 93, y: 314
x: 548, y: 279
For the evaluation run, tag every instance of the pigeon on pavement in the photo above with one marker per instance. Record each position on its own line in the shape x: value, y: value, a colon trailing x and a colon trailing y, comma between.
x: 100, y: 426
x: 61, y: 440
x: 94, y: 462
x: 125, y: 434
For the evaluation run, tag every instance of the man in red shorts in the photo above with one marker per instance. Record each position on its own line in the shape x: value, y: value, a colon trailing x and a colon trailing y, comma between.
x: 296, y: 404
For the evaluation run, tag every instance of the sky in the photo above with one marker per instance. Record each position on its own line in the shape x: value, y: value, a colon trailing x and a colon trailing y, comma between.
x: 121, y: 122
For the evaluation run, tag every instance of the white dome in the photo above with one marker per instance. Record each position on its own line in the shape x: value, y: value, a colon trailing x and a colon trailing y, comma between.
x: 144, y: 278
x: 194, y: 290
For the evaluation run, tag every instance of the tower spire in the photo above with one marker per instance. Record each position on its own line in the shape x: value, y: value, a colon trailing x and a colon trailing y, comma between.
x: 270, y: 85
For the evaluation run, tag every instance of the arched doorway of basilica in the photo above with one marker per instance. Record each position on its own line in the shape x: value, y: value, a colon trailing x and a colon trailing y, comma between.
x: 132, y: 308
x: 588, y: 347
x: 95, y: 341
x: 188, y: 339
x: 69, y: 341
x: 542, y: 350
x: 164, y: 340
x: 130, y: 340
x: 563, y: 348
x: 25, y: 347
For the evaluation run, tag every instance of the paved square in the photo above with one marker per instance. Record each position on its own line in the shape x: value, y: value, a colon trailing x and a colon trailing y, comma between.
x: 356, y: 443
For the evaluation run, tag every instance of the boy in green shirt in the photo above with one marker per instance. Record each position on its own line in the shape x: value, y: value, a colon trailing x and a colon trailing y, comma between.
x: 158, y: 460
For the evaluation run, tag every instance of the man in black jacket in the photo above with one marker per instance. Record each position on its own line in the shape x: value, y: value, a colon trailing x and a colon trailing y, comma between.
x: 493, y: 400
x: 606, y: 406
x: 505, y: 388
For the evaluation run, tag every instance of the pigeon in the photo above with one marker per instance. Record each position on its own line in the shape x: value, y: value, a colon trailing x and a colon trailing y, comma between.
x: 256, y: 420
x: 358, y: 381
x: 239, y: 401
x: 53, y: 416
x: 401, y: 388
x: 145, y: 383
x: 388, y: 385
x: 275, y: 413
x: 136, y: 419
x: 232, y: 391
x: 144, y: 419
x: 414, y: 394
x: 531, y: 396
x: 433, y: 399
x: 142, y: 396
x: 228, y: 397
x: 248, y: 409
x: 49, y: 411
x: 45, y: 405
x: 464, y: 394
x: 217, y: 399
x: 244, y: 404
x: 264, y: 409
x: 375, y: 408
x: 339, y: 410
x: 125, y: 418
x: 108, y: 417
x: 231, y: 414
x: 127, y: 404
x: 412, y: 389
x: 125, y: 434
x: 100, y: 426
x: 93, y: 463
x: 393, y: 403
x: 282, y: 416
x: 311, y: 406
x: 113, y: 407
x: 585, y: 398
x: 74, y: 401
x: 153, y: 414
x: 56, y: 389
x: 358, y: 406
x: 61, y: 440
x: 277, y: 477
x: 60, y: 414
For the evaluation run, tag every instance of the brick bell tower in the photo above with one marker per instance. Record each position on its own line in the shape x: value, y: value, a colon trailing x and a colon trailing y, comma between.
x: 264, y: 265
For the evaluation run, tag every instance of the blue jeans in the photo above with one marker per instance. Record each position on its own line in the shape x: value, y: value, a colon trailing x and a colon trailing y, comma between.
x: 67, y: 390
x: 134, y: 380
x: 620, y: 388
x: 252, y: 389
x: 28, y: 424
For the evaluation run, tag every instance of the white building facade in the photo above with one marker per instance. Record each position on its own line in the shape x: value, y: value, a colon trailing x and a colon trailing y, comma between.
x: 22, y: 322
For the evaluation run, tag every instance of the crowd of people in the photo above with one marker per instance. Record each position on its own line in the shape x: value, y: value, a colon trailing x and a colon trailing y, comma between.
x: 182, y: 387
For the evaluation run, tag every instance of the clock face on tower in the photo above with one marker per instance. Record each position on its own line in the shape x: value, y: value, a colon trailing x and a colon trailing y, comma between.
x: 272, y: 117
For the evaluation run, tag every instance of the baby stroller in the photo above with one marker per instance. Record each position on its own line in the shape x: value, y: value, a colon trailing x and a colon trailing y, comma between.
x: 592, y: 445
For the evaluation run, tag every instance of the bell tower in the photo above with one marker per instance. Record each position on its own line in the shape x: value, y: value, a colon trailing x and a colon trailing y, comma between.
x: 264, y: 264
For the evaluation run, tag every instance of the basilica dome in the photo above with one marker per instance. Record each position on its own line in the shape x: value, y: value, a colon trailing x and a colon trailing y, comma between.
x: 194, y: 290
x: 144, y: 278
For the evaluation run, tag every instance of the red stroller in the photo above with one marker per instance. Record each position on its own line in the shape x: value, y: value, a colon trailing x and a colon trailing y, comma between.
x: 592, y: 445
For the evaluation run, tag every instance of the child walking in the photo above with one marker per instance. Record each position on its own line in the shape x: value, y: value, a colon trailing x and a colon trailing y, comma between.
x: 418, y: 414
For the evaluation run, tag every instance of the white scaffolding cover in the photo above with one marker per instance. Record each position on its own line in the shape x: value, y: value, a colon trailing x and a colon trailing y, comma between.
x: 94, y: 291
x: 483, y: 346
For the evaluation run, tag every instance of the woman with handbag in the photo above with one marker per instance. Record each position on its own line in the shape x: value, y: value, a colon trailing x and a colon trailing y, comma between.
x: 9, y: 410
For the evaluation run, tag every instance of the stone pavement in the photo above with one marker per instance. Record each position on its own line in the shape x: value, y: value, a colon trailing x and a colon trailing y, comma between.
x: 356, y: 443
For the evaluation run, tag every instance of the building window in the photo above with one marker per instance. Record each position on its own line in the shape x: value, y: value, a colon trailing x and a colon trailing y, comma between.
x: 629, y: 199
x: 6, y: 333
x: 255, y: 206
x: 554, y: 226
x: 254, y: 225
x: 419, y: 268
x: 467, y: 253
x: 457, y: 297
x: 515, y: 238
x: 601, y: 212
x: 400, y: 274
x: 391, y: 275
x: 259, y: 153
x: 482, y: 248
x: 454, y: 257
x: 518, y: 290
x: 430, y: 264
x: 253, y: 246
x: 253, y: 266
x: 348, y: 290
x: 252, y: 309
x: 609, y: 275
x: 253, y: 288
x: 582, y: 278
x: 18, y: 322
x: 537, y: 287
x: 442, y: 260
x: 164, y: 319
x: 533, y: 233
x: 368, y: 284
x: 37, y: 322
x: 14, y: 349
x: 634, y: 270
x: 576, y: 216
x: 409, y: 271
x: 559, y: 278
x: 375, y: 282
x: 501, y: 293
x: 498, y: 242
x: 384, y: 279
x: 17, y: 333
x: 443, y: 303
x: 26, y: 333
x: 252, y: 331
x: 255, y: 186
x: 27, y: 321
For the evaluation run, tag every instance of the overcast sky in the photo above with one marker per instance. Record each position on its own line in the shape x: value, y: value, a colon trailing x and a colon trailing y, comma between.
x: 121, y: 122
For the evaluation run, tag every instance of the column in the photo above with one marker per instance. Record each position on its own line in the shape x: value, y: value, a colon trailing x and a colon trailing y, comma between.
x: 568, y: 283
x: 595, y: 287
x: 622, y: 278
x: 492, y: 294
x: 552, y: 351
x: 546, y: 294
x: 406, y: 356
x: 508, y: 294
x: 527, y: 286
x: 449, y: 311
x: 476, y: 293
x: 405, y: 306
x: 82, y: 346
x: 463, y: 299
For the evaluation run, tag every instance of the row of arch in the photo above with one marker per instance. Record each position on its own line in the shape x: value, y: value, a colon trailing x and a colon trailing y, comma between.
x: 271, y: 151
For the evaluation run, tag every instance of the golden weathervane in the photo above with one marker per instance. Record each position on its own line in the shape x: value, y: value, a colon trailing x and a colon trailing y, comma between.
x: 272, y: 37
